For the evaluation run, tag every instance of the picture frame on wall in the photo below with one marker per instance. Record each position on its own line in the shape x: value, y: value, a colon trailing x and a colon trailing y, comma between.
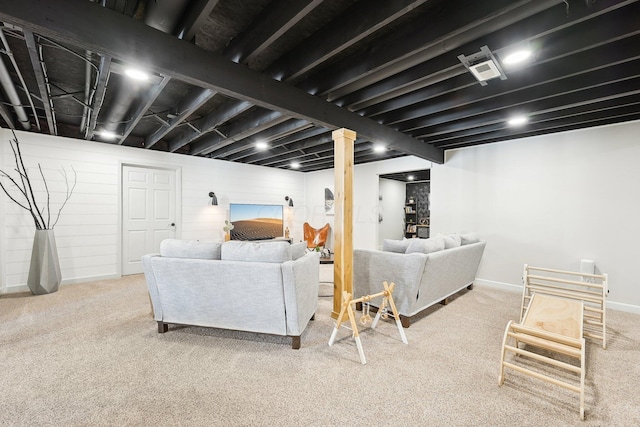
x: 329, y: 206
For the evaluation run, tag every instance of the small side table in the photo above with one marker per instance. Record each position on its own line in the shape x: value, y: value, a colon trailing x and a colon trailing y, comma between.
x: 326, y: 260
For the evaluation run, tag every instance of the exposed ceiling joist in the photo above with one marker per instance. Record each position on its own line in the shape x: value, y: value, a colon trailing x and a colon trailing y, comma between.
x: 32, y: 46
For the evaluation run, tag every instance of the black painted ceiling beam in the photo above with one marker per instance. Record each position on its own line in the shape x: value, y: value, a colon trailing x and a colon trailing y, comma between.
x: 276, y: 20
x: 284, y: 151
x: 587, y: 68
x: 280, y: 130
x: 415, y: 43
x: 543, y: 130
x: 194, y: 18
x: 210, y: 122
x: 189, y: 104
x: 146, y: 101
x: 47, y: 103
x: 535, y: 30
x: 551, y: 66
x: 277, y: 146
x: 329, y: 40
x: 100, y: 92
x: 581, y: 117
x: 590, y: 96
x: 340, y: 35
x: 255, y: 121
x: 582, y: 87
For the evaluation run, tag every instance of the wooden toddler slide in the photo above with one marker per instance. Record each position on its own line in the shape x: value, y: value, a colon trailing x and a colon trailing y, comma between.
x: 557, y: 308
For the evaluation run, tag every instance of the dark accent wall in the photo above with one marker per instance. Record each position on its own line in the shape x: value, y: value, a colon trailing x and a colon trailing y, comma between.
x: 420, y: 192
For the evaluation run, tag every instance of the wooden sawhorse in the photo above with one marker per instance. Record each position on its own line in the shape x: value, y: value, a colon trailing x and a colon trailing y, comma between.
x: 347, y: 308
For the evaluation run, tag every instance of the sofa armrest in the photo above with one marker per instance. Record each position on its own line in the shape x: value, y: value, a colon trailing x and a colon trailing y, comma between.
x: 371, y: 268
x: 152, y: 285
x: 301, y: 282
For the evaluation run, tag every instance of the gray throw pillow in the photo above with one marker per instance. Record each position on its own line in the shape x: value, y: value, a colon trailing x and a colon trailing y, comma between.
x: 425, y: 246
x: 398, y: 246
x: 195, y: 249
x: 451, y: 241
x: 235, y: 250
x: 298, y: 250
x: 468, y: 238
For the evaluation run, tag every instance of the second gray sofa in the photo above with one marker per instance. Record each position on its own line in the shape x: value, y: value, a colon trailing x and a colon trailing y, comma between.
x: 425, y: 273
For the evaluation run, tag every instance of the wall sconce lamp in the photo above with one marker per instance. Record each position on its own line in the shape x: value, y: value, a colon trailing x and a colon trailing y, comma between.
x: 214, y: 199
x: 290, y: 200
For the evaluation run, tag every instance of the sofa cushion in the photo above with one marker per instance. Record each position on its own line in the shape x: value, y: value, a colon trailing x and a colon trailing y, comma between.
x: 451, y: 240
x: 425, y: 246
x: 195, y: 249
x: 399, y: 246
x: 234, y: 250
x: 468, y: 238
x: 298, y: 250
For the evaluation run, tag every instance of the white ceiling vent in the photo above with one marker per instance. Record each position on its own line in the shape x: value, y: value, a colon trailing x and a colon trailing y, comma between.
x: 486, y: 70
x: 483, y: 65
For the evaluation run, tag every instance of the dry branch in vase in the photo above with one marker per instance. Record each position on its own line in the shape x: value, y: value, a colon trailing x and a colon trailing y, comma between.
x: 26, y: 198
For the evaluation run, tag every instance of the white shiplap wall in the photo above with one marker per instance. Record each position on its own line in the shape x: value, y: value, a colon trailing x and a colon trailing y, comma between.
x: 88, y: 233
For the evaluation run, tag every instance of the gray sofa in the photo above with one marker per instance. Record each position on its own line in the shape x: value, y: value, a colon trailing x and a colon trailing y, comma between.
x: 425, y: 271
x: 269, y: 287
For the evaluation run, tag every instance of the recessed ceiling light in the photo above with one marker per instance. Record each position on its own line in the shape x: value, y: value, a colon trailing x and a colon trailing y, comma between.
x: 517, y: 57
x: 106, y: 134
x: 136, y: 74
x: 295, y: 165
x: 379, y: 148
x: 411, y: 177
x: 517, y: 121
x: 262, y: 145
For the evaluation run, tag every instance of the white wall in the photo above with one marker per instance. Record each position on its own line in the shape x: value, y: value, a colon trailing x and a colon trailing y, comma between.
x: 548, y: 201
x: 88, y: 234
x: 392, y: 210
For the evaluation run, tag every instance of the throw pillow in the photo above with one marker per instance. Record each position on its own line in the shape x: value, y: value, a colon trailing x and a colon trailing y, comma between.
x: 298, y: 250
x: 398, y: 246
x: 468, y: 238
x: 451, y: 241
x: 235, y: 250
x: 195, y: 249
x: 425, y: 246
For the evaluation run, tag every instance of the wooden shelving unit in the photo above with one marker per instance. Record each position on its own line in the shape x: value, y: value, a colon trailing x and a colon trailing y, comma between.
x: 410, y: 220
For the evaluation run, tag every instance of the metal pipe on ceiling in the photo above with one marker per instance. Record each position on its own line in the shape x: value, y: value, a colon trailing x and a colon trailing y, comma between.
x: 87, y: 92
x: 10, y: 88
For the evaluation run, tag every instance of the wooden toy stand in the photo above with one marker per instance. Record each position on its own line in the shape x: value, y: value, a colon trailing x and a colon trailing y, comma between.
x: 348, y: 305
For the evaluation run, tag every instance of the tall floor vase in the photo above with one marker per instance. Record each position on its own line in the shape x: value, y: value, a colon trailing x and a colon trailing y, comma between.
x: 44, y: 271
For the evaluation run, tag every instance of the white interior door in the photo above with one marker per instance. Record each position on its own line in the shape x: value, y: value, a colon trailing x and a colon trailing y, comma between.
x: 148, y: 213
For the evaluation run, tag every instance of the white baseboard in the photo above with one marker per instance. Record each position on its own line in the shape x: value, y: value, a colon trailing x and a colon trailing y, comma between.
x: 500, y: 285
x: 24, y: 288
x: 620, y: 306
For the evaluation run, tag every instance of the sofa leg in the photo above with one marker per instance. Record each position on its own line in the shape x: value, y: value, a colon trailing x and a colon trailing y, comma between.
x: 405, y: 321
x: 295, y: 342
x: 445, y: 301
x: 470, y: 287
x: 162, y: 327
x: 313, y: 317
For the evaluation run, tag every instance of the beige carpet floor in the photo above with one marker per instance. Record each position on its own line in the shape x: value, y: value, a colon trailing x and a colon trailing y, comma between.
x: 90, y: 355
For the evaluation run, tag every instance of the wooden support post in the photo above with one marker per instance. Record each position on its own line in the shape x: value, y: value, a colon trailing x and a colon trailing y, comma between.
x: 343, y: 221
